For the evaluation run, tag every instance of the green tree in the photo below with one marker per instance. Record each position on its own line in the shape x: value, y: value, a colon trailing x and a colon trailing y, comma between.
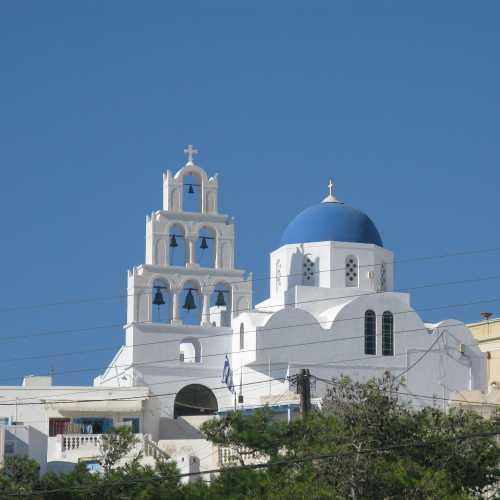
x: 377, y: 447
x: 115, y: 446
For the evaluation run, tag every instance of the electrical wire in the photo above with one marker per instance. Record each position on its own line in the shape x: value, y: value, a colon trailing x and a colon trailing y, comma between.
x: 263, y: 277
x: 259, y: 310
x: 284, y: 462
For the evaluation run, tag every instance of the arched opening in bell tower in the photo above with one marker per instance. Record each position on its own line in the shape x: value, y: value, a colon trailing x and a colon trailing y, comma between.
x: 177, y: 249
x: 206, y: 247
x: 221, y: 304
x: 192, y: 195
x: 161, y: 301
x: 191, y: 303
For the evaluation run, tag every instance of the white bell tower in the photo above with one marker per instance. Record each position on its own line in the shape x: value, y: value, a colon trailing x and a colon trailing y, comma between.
x: 175, y: 229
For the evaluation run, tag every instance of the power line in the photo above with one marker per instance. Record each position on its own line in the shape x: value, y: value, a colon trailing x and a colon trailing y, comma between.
x: 314, y: 323
x: 264, y: 277
x: 283, y: 462
x: 326, y: 364
x: 125, y: 398
x: 274, y: 306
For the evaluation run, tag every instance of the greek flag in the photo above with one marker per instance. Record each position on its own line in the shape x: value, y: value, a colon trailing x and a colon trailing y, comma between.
x: 227, y: 375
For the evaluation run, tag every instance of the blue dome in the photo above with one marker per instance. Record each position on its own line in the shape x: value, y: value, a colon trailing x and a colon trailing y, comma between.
x: 331, y: 222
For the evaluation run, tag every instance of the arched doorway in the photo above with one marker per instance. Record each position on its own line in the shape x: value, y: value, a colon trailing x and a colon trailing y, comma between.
x: 195, y: 399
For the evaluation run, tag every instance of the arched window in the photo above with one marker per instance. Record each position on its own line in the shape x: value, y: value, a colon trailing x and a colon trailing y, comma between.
x: 161, y: 302
x: 370, y: 332
x: 205, y: 247
x: 177, y: 249
x: 190, y: 351
x: 242, y: 336
x: 308, y: 271
x: 387, y: 334
x: 191, y: 197
x: 351, y: 271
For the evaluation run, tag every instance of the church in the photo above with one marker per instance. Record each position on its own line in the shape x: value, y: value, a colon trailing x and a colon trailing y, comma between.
x: 196, y: 346
x: 332, y: 309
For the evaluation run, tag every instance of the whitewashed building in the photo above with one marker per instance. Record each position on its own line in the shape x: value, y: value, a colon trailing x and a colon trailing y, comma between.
x: 332, y: 309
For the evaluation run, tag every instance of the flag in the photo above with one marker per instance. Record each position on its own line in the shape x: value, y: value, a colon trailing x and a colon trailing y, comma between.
x: 227, y: 375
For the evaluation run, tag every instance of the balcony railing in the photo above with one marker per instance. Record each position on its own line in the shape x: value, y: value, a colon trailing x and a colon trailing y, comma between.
x: 75, y: 441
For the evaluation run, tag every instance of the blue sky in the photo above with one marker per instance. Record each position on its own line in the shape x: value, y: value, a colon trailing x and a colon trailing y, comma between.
x: 397, y: 101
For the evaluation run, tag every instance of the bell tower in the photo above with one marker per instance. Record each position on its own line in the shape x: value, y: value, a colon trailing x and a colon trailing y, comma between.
x: 188, y: 277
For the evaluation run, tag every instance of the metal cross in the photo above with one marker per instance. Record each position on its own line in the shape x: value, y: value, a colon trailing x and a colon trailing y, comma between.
x: 330, y: 187
x: 190, y: 151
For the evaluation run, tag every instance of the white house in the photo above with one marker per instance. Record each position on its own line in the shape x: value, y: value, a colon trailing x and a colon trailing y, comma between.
x: 332, y: 309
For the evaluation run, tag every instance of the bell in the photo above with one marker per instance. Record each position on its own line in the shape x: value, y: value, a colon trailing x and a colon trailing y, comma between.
x: 189, y: 302
x: 221, y: 301
x: 190, y: 190
x: 204, y: 244
x: 158, y: 300
x: 173, y: 241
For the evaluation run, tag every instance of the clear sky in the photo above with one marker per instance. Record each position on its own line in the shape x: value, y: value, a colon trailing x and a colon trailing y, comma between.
x: 397, y: 101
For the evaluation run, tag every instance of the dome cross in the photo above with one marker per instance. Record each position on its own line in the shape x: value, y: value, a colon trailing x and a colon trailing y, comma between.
x: 331, y: 197
x: 330, y: 187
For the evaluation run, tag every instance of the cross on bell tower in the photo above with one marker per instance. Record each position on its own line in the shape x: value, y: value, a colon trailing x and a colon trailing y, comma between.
x: 190, y: 151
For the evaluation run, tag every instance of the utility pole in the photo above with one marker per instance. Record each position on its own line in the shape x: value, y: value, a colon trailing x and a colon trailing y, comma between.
x: 304, y: 390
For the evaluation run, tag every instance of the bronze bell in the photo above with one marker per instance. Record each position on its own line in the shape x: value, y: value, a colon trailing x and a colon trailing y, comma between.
x: 158, y: 300
x: 189, y: 303
x: 190, y: 190
x: 221, y: 301
x: 204, y: 244
x: 173, y: 241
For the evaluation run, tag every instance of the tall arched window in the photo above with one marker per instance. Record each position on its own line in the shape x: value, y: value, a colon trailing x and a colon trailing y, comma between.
x: 351, y: 271
x: 242, y: 336
x: 370, y: 332
x: 308, y: 271
x: 387, y: 334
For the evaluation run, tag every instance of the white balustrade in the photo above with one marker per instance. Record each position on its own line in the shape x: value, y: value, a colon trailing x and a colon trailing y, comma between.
x: 75, y: 441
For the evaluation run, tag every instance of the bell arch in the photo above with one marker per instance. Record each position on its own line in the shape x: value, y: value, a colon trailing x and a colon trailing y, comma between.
x: 192, y: 192
x: 177, y: 248
x: 221, y: 304
x: 206, y: 247
x: 195, y: 399
x: 161, y: 301
x: 191, y: 303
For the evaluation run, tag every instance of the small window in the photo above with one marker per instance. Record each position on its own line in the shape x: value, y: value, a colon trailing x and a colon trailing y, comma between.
x: 370, y: 332
x: 387, y: 334
x: 242, y: 336
x: 4, y: 420
x: 351, y: 271
x: 383, y: 278
x: 308, y: 271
